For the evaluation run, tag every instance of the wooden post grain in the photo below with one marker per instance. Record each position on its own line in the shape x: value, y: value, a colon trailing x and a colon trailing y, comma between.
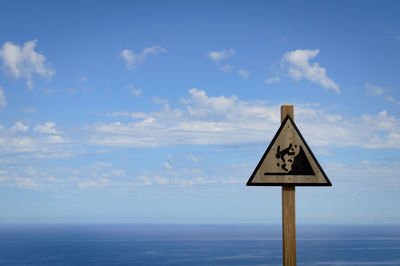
x: 288, y: 210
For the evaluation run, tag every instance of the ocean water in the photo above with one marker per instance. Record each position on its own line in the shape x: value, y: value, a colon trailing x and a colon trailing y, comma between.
x: 195, y: 245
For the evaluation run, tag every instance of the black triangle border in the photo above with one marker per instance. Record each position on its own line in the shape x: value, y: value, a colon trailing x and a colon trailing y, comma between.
x: 249, y: 182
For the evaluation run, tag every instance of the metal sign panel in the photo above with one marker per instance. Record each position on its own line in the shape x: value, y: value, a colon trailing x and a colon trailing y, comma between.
x: 288, y: 161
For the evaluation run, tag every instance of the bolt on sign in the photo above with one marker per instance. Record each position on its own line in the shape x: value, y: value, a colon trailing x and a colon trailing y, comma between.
x: 288, y: 160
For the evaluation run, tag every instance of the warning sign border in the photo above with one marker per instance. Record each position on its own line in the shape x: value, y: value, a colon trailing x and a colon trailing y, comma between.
x: 249, y: 182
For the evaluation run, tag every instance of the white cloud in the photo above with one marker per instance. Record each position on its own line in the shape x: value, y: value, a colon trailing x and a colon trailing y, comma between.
x: 26, y: 183
x: 161, y: 180
x: 47, y: 127
x: 41, y: 143
x: 24, y: 62
x: 83, y: 79
x: 52, y: 179
x: 374, y: 90
x: 99, y: 175
x: 3, y: 102
x: 231, y: 180
x: 227, y: 68
x: 129, y: 114
x: 55, y: 139
x: 95, y: 176
x: 30, y: 110
x: 49, y: 91
x: 100, y: 165
x: 24, y: 177
x: 132, y: 60
x: 219, y: 56
x: 202, y: 105
x: 200, y: 119
x: 19, y: 127
x: 206, y: 120
x: 101, y: 182
x: 22, y: 144
x: 244, y: 73
x: 373, y: 175
x: 272, y: 80
x: 194, y: 181
x: 167, y: 165
x: 392, y: 99
x: 333, y: 118
x: 192, y: 158
x: 146, y: 181
x: 134, y: 91
x: 298, y: 66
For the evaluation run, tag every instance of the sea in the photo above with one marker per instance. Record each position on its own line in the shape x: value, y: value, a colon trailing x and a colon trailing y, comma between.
x: 193, y: 244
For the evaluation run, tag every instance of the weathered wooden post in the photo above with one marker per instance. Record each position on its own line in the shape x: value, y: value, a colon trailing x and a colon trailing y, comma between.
x: 288, y: 209
x: 288, y: 162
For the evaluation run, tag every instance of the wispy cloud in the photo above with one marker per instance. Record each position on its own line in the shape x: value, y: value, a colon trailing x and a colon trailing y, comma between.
x: 168, y: 165
x: 245, y: 74
x: 3, y: 102
x: 371, y: 174
x: 218, y: 56
x: 19, y: 127
x: 192, y: 158
x: 221, y: 120
x: 48, y: 127
x: 198, y: 180
x: 227, y: 68
x: 55, y: 139
x: 204, y: 120
x: 199, y: 120
x: 272, y: 80
x: 25, y: 62
x: 99, y: 175
x: 132, y: 60
x: 375, y: 90
x: 134, y: 91
x: 42, y: 142
x: 297, y: 64
x: 30, y: 110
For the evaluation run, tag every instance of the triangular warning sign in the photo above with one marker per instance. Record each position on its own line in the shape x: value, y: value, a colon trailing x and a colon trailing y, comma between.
x: 288, y: 161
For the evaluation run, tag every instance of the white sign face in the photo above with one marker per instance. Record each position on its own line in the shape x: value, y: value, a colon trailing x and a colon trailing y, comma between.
x: 288, y: 161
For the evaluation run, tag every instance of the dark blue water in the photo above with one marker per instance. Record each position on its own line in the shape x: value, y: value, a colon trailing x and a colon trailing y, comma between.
x: 195, y: 245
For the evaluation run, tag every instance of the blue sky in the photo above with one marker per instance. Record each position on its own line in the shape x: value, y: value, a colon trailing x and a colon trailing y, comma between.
x: 159, y: 111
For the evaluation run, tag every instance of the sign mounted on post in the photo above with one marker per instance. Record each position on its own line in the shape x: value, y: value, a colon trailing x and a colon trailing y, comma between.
x: 288, y: 161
